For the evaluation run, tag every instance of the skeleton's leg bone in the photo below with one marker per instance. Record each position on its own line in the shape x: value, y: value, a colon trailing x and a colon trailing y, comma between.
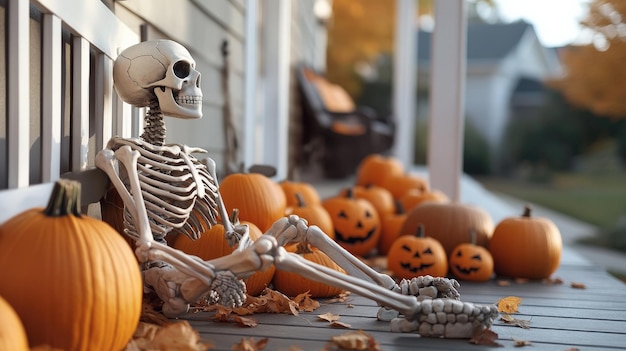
x: 293, y: 263
x: 316, y: 237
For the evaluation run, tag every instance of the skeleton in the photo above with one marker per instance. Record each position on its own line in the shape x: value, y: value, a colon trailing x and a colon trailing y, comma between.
x: 161, y: 185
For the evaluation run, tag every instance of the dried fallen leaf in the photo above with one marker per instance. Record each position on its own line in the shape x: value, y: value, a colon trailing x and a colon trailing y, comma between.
x: 484, y: 337
x: 521, y: 343
x: 306, y: 303
x: 339, y: 298
x: 503, y: 282
x: 250, y: 344
x: 174, y: 336
x: 329, y: 317
x: 337, y: 324
x: 509, y: 304
x: 356, y: 340
x: 521, y: 280
x: 578, y: 285
x: 244, y: 321
x: 522, y: 323
x: 553, y: 281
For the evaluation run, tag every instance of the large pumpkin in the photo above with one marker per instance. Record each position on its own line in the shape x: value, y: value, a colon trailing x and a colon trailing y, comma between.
x: 258, y: 198
x: 213, y: 244
x: 12, y: 334
x: 293, y: 284
x: 356, y: 222
x: 469, y: 261
x: 413, y: 255
x: 376, y: 168
x: 72, y: 279
x: 450, y: 222
x: 526, y: 247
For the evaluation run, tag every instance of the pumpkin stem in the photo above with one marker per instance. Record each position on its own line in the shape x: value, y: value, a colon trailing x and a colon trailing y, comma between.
x: 472, y: 236
x: 300, y: 199
x: 527, y: 211
x: 350, y: 193
x: 303, y: 248
x: 234, y: 217
x: 399, y: 207
x: 421, y: 233
x: 64, y: 200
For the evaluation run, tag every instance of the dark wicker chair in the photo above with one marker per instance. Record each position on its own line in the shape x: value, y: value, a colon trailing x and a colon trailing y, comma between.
x: 345, y: 132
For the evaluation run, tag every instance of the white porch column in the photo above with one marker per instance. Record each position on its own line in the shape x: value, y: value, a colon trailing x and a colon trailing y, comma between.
x: 276, y: 21
x: 250, y: 84
x: 448, y: 63
x: 404, y: 78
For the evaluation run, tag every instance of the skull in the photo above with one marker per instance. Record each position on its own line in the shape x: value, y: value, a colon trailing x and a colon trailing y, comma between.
x: 160, y: 70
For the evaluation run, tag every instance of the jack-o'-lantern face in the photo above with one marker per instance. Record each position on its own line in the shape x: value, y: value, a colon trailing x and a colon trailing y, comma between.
x: 411, y: 256
x: 356, y: 223
x: 471, y: 262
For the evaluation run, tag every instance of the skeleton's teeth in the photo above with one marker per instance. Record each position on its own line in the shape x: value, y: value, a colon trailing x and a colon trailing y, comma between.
x: 189, y: 100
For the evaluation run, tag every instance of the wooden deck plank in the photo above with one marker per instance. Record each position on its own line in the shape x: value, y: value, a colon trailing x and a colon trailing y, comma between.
x: 561, y: 317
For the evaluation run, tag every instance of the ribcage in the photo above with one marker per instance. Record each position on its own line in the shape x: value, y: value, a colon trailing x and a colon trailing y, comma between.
x: 173, y: 185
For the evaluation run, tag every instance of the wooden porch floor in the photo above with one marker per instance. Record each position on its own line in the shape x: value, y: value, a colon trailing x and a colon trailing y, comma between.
x: 561, y: 317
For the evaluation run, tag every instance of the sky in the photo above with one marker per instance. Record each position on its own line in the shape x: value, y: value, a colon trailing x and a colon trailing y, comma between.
x: 556, y: 21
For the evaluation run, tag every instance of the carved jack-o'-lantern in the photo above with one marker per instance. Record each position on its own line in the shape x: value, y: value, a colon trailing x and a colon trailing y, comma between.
x: 469, y: 261
x: 413, y: 255
x: 356, y: 223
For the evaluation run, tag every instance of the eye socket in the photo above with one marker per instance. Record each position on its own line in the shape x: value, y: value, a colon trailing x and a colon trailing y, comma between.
x: 342, y: 214
x: 182, y: 69
x: 476, y: 257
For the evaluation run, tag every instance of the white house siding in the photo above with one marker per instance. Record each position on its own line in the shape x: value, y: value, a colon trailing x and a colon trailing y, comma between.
x: 200, y: 26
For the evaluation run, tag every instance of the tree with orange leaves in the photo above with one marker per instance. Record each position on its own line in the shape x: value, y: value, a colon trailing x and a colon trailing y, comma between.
x: 595, y: 73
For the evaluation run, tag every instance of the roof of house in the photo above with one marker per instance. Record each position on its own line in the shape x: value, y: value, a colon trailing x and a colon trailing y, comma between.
x: 484, y: 41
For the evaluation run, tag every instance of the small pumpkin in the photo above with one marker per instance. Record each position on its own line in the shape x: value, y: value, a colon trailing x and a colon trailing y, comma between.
x: 258, y: 198
x: 356, y: 223
x: 376, y: 168
x: 526, y: 247
x: 309, y: 194
x: 469, y: 261
x: 413, y: 255
x: 293, y: 284
x: 377, y: 195
x: 74, y: 281
x: 415, y: 197
x: 315, y: 214
x: 213, y: 244
x: 449, y: 222
x: 400, y: 184
x: 391, y: 229
x: 12, y: 333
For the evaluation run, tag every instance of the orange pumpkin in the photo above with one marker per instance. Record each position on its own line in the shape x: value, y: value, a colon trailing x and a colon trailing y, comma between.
x: 308, y: 192
x: 469, y: 261
x: 378, y: 196
x: 293, y: 284
x: 213, y: 244
x: 12, y: 333
x: 257, y: 197
x: 526, y: 247
x: 315, y: 214
x: 414, y: 255
x: 73, y: 280
x: 356, y: 223
x: 415, y: 197
x: 450, y: 222
x: 376, y: 168
x: 391, y: 229
x: 400, y: 184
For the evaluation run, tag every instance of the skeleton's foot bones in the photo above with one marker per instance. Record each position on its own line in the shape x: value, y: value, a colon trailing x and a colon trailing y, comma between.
x: 447, y: 318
